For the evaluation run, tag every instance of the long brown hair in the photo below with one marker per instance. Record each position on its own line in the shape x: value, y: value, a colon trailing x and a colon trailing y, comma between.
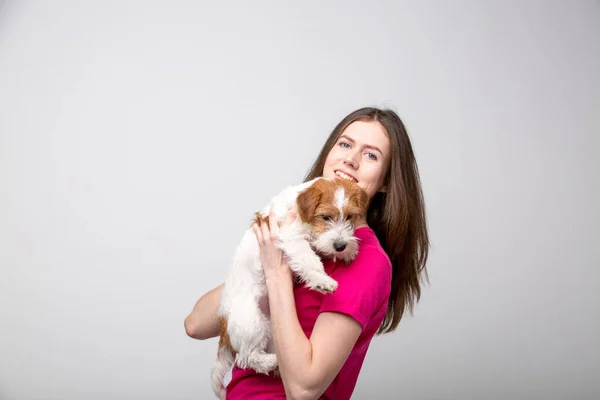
x: 397, y: 216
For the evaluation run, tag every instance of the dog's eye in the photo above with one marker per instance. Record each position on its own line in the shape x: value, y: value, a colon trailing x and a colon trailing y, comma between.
x: 348, y: 218
x: 326, y: 217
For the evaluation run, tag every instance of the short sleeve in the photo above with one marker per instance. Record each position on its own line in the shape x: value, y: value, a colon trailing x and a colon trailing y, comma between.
x: 363, y: 286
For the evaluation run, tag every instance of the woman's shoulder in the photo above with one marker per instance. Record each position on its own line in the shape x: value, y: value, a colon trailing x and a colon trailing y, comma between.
x: 370, y: 249
x: 371, y: 262
x: 364, y: 284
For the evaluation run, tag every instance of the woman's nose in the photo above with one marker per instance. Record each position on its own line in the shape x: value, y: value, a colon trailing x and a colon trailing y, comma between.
x: 349, y: 160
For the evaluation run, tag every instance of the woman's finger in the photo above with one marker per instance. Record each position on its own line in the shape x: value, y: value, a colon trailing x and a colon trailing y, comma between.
x: 273, y: 225
x: 294, y: 208
x: 264, y: 230
x: 257, y: 233
x: 291, y: 216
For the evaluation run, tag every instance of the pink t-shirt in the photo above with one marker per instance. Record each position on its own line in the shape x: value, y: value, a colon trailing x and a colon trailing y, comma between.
x: 363, y: 292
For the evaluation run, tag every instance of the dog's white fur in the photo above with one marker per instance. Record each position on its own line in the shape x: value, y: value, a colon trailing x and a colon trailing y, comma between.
x: 244, y: 301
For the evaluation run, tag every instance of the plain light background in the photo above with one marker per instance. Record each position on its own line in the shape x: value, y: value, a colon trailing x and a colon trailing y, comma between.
x: 138, y: 138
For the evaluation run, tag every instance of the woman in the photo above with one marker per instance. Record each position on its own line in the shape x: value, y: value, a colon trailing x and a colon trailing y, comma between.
x: 321, y: 340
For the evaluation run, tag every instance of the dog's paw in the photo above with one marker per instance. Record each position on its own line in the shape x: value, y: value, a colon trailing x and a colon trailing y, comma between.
x: 271, y: 364
x: 326, y: 285
x: 265, y: 363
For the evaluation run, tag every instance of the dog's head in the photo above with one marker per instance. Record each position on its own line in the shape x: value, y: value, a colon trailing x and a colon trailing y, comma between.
x: 331, y: 208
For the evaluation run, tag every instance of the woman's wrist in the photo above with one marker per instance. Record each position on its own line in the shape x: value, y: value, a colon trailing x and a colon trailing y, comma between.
x: 278, y: 276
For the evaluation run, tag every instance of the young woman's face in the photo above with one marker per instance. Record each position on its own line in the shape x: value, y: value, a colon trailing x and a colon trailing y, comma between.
x: 360, y: 154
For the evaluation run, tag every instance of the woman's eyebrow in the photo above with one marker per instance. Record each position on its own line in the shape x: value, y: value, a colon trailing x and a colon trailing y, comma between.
x: 348, y: 138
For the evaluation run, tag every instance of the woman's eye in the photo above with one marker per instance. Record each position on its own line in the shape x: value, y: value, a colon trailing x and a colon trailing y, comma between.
x: 372, y: 156
x: 344, y: 144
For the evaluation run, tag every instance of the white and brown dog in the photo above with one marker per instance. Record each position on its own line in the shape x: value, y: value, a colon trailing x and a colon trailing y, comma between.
x: 327, y: 211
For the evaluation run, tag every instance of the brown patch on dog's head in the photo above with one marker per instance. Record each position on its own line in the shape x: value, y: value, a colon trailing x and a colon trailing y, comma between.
x: 358, y: 200
x: 331, y: 200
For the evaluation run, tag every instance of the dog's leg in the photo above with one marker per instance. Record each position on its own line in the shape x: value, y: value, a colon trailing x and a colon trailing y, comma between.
x: 248, y: 327
x: 304, y: 261
x: 262, y: 362
x: 222, y: 365
x: 249, y: 332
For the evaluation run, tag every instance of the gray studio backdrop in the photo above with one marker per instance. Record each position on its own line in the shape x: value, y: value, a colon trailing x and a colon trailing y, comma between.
x: 138, y: 138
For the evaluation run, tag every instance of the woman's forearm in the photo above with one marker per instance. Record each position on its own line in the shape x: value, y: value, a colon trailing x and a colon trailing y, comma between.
x: 293, y: 348
x: 203, y: 322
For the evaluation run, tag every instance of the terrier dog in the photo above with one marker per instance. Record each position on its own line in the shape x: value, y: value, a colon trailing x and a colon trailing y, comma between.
x: 327, y: 211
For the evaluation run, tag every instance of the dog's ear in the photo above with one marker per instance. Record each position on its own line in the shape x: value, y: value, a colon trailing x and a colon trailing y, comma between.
x: 308, y: 200
x: 358, y: 197
x: 362, y: 200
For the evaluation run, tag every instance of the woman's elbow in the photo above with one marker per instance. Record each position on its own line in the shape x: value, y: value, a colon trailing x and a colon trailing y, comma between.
x: 192, y: 329
x: 302, y: 395
x: 189, y: 328
x: 300, y: 392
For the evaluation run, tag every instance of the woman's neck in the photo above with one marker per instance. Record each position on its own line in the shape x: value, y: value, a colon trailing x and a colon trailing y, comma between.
x: 361, y: 223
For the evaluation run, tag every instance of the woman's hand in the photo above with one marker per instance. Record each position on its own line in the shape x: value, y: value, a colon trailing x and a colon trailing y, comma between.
x: 271, y: 257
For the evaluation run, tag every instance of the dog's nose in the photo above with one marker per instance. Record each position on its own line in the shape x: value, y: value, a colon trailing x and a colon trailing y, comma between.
x: 339, y: 246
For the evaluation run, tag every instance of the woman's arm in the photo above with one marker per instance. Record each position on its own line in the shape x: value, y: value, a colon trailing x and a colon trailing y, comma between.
x: 307, y: 366
x: 203, y: 323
